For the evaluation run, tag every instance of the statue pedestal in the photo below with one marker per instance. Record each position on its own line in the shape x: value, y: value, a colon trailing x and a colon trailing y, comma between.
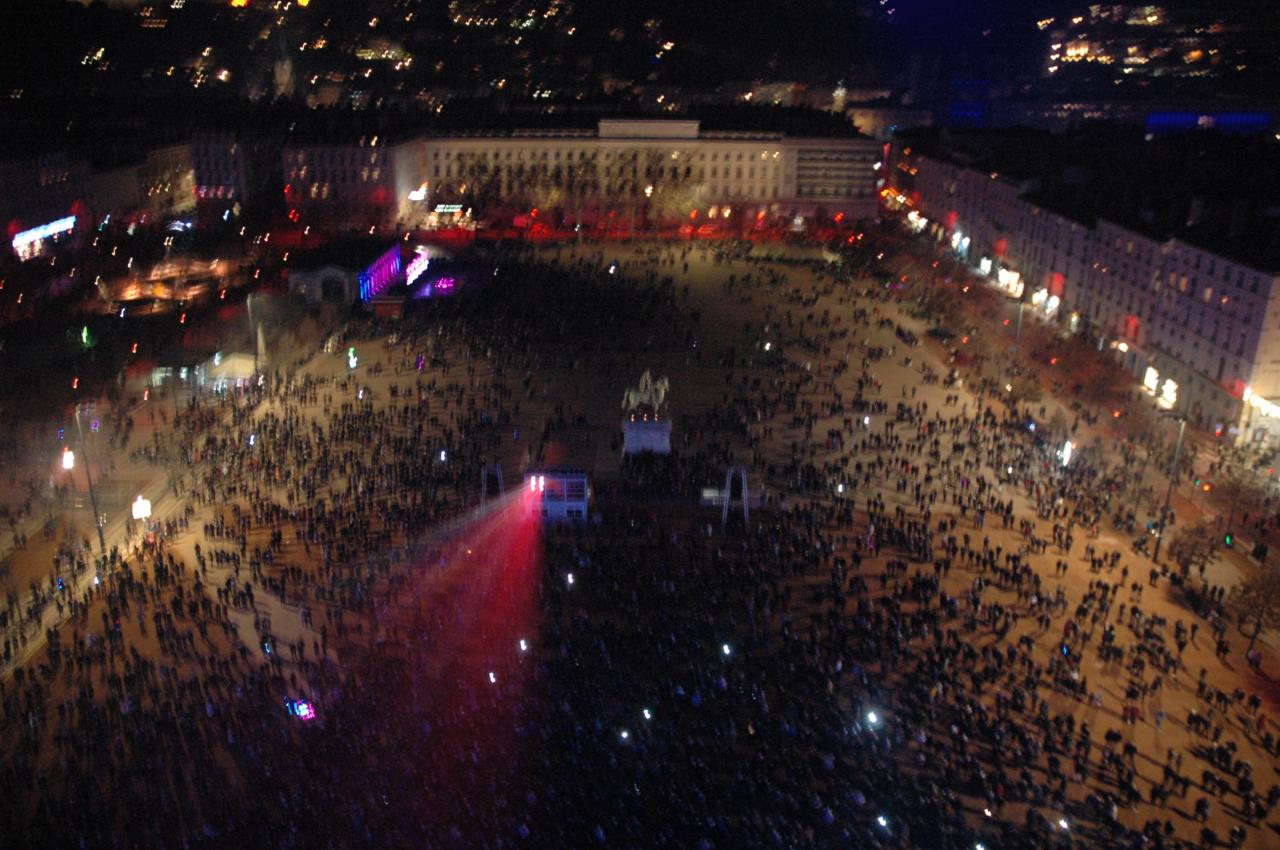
x: 646, y: 435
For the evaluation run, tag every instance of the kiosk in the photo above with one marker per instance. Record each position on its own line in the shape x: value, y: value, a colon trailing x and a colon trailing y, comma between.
x: 559, y: 495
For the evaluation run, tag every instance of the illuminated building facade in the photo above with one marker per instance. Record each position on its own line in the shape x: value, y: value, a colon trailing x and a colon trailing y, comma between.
x: 35, y: 193
x: 660, y: 170
x: 363, y: 185
x: 1192, y: 314
x: 160, y: 186
x: 234, y: 171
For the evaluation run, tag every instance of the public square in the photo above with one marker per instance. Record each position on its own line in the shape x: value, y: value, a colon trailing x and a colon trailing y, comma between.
x: 926, y: 631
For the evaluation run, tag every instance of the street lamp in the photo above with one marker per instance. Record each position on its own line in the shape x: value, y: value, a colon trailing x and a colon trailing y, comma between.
x: 253, y: 330
x: 69, y: 461
x: 1173, y: 477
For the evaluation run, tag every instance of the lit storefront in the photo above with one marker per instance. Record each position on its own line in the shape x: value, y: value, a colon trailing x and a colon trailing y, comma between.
x: 1151, y: 381
x: 1262, y: 417
x: 1043, y: 301
x: 33, y: 243
x: 1010, y: 282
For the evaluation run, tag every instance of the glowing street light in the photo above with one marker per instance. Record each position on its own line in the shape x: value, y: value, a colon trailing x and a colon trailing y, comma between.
x: 726, y: 649
x: 68, y: 459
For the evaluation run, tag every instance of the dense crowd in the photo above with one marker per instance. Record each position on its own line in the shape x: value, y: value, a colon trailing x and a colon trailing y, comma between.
x: 880, y: 652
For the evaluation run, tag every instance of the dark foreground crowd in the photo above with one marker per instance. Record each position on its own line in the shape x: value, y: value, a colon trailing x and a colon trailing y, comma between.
x: 809, y: 675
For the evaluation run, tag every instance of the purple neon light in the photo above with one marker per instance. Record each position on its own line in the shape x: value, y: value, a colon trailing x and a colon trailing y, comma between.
x: 381, y: 274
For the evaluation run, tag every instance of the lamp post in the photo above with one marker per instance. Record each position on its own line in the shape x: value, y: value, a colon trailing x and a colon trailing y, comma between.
x: 253, y: 331
x: 69, y: 462
x: 1017, y: 334
x: 1173, y: 477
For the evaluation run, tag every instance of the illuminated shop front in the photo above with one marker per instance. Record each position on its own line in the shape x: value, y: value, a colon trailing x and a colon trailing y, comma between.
x: 1010, y: 282
x: 33, y: 243
x: 1042, y: 300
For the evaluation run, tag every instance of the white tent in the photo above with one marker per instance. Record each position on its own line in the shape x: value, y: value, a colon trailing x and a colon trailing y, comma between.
x: 223, y: 370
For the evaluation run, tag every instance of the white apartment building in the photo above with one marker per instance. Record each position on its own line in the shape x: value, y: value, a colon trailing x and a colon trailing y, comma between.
x: 664, y: 170
x: 1200, y: 330
x: 625, y: 170
x: 161, y: 186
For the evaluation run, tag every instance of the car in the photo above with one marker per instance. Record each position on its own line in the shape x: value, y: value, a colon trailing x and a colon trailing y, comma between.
x: 941, y: 334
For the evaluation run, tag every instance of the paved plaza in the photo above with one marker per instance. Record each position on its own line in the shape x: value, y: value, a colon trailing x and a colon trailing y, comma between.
x: 928, y: 633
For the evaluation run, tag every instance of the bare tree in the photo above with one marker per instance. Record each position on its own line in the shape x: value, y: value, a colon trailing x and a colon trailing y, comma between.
x: 1194, y: 545
x: 1241, y: 490
x: 1257, y: 600
x: 1026, y: 389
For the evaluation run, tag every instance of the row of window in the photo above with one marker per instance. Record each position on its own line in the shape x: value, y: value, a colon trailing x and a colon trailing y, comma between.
x: 716, y: 172
x: 572, y: 155
x: 364, y: 175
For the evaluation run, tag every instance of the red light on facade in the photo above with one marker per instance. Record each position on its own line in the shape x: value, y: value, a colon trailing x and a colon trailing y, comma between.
x: 182, y: 320
x: 133, y: 349
x: 75, y: 383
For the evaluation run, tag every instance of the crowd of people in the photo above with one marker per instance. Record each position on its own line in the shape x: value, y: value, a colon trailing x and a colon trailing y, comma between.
x: 881, y: 649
